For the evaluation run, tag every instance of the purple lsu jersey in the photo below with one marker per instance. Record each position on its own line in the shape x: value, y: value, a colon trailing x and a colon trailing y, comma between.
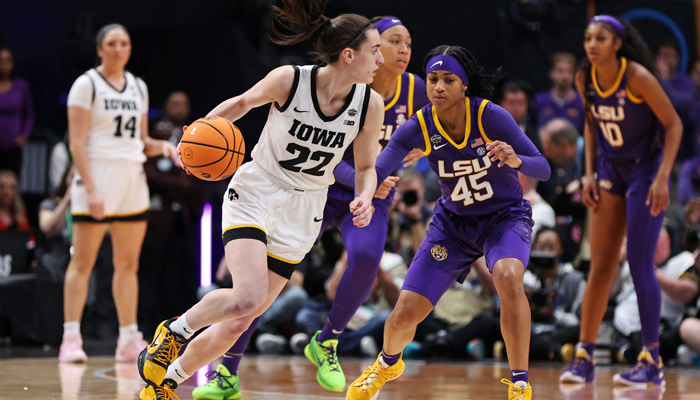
x: 409, y: 97
x: 626, y: 126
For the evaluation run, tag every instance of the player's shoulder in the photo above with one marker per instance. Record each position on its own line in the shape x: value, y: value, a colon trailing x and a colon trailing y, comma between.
x: 636, y: 70
x: 284, y: 74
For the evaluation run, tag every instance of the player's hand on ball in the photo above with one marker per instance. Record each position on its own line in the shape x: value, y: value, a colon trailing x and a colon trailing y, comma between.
x: 179, y: 158
x: 503, y: 152
x: 362, y: 209
x: 96, y: 205
x: 386, y: 186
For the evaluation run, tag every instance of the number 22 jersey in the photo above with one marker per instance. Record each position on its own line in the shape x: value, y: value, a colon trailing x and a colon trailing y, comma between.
x: 300, y: 145
x: 114, y: 132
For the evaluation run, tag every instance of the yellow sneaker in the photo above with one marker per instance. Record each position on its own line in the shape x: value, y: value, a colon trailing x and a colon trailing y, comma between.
x: 367, y: 386
x: 151, y: 392
x: 154, y: 360
x: 516, y: 392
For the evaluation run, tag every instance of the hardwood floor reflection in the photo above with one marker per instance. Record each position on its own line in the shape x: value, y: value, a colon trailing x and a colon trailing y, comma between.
x: 294, y: 378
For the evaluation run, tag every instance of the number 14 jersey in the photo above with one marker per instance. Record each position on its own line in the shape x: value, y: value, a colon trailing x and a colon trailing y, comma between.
x: 299, y: 144
x: 114, y: 132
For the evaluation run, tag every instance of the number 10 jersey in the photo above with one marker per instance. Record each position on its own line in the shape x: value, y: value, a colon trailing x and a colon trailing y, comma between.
x: 300, y: 145
x: 114, y: 132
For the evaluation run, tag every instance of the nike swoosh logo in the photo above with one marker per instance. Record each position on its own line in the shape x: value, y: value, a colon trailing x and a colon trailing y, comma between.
x: 192, y: 133
x: 316, y: 219
x: 395, y: 20
x: 300, y: 111
x: 178, y: 373
x: 437, y: 63
x: 514, y: 373
x: 185, y: 329
x: 439, y: 147
x: 336, y: 332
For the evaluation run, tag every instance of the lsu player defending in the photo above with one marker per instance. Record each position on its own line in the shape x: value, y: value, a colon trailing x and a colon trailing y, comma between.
x: 628, y: 113
x: 275, y: 217
x: 109, y: 142
x: 403, y: 94
x: 476, y: 148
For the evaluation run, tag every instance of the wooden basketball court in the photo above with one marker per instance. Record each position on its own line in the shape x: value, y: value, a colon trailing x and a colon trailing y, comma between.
x: 294, y: 378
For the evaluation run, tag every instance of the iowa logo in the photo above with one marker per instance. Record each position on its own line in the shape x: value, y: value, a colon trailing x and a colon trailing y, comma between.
x: 232, y: 195
x: 439, y: 253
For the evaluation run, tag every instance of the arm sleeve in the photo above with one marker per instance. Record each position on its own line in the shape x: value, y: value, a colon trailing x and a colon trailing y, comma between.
x: 28, y: 111
x: 144, y: 90
x: 407, y: 137
x: 80, y: 94
x: 344, y: 174
x: 420, y: 97
x: 500, y: 125
x: 686, y: 188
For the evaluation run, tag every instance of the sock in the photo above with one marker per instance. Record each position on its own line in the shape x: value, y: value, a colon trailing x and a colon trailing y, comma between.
x: 588, y: 346
x: 176, y: 373
x: 126, y: 332
x: 181, y: 327
x: 233, y: 357
x: 519, y: 378
x: 387, y: 360
x: 70, y: 328
x: 654, y: 351
x: 328, y: 332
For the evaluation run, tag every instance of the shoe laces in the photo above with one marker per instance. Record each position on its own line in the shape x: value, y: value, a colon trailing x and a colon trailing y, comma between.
x: 217, y: 379
x: 165, y: 393
x: 331, y: 356
x: 370, y: 376
x: 169, y: 349
x: 517, y: 393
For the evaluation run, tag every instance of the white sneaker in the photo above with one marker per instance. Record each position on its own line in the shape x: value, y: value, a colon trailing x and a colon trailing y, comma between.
x: 268, y: 343
x: 71, y: 350
x: 129, y: 352
x: 298, y: 342
x: 368, y: 346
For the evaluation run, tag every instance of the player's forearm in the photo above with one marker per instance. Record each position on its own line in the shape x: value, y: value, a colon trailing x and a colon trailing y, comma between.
x: 674, y: 133
x: 682, y: 290
x: 366, y: 182
x: 82, y: 164
x: 231, y: 109
x: 152, y: 147
x: 590, y: 147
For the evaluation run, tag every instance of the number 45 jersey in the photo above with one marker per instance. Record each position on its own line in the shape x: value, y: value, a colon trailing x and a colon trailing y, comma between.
x: 114, y: 132
x: 299, y: 144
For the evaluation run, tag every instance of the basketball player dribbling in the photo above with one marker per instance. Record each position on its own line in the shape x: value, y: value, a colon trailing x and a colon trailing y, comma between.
x: 628, y: 113
x: 476, y: 148
x: 275, y: 218
x: 403, y: 94
x: 109, y: 142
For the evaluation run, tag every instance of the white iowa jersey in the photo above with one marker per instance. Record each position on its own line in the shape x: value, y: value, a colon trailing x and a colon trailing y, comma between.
x: 115, y: 115
x: 301, y: 146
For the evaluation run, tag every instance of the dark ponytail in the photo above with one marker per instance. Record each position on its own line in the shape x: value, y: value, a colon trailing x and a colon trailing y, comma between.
x: 480, y: 84
x: 299, y: 19
x: 633, y: 48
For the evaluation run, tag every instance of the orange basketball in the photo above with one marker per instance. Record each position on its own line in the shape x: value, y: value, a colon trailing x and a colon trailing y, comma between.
x: 212, y: 148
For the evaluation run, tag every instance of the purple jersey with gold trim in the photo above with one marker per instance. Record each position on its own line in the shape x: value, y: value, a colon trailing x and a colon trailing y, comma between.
x: 471, y: 183
x: 549, y: 107
x: 626, y: 126
x: 409, y: 97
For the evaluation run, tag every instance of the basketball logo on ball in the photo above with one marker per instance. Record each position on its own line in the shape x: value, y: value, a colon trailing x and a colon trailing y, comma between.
x: 212, y: 148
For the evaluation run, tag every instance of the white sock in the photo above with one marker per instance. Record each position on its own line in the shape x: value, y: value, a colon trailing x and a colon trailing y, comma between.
x: 181, y: 327
x: 521, y: 384
x: 70, y: 328
x: 126, y: 332
x: 383, y: 363
x: 176, y: 373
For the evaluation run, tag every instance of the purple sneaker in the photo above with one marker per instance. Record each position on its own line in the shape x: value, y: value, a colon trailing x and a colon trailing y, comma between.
x: 646, y: 373
x: 581, y: 369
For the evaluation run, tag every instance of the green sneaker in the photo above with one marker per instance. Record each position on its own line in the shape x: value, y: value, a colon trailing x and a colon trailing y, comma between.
x: 324, y: 356
x: 222, y: 386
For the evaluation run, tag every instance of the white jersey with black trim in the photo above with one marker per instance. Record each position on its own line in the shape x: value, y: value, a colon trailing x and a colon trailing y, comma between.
x: 299, y: 145
x: 114, y: 132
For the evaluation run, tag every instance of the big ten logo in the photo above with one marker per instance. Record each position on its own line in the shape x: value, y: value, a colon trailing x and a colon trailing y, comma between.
x: 468, y: 188
x: 5, y: 265
x: 386, y: 132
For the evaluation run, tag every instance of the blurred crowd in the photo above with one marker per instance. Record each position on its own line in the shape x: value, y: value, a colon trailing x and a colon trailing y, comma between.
x: 35, y: 241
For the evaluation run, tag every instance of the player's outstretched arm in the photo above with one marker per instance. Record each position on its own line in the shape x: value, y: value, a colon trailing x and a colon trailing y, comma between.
x: 275, y: 87
x: 365, y: 149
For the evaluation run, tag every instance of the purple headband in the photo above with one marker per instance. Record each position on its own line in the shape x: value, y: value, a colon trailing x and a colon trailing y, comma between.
x: 449, y: 64
x: 386, y: 23
x: 612, y: 22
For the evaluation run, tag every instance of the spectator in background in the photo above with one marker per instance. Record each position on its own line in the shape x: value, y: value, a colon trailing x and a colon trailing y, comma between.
x: 516, y: 100
x: 562, y: 100
x: 55, y: 223
x: 16, y: 113
x: 410, y: 217
x: 680, y: 89
x: 689, y: 180
x: 13, y: 215
x: 542, y: 213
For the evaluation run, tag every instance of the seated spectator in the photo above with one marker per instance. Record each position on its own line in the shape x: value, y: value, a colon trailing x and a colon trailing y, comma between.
x: 16, y: 113
x: 688, y: 353
x: 516, y: 100
x: 562, y: 100
x: 409, y: 216
x: 55, y: 223
x: 555, y: 291
x: 13, y: 215
x: 678, y: 279
x: 542, y: 212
